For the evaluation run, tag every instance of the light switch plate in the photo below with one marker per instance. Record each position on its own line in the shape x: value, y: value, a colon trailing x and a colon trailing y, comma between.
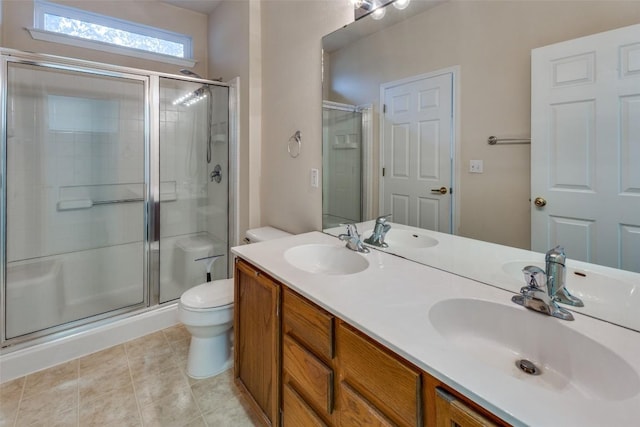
x: 475, y: 166
x: 315, y: 178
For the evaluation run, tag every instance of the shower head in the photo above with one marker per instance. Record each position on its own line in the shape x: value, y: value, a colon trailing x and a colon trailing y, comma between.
x: 190, y: 73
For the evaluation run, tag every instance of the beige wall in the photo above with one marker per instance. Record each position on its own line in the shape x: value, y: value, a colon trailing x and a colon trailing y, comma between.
x: 491, y: 41
x: 291, y: 100
x: 234, y: 51
x: 18, y: 14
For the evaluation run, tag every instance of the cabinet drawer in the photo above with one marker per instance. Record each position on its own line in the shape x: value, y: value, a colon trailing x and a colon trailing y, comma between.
x: 356, y: 411
x: 313, y: 379
x: 296, y: 412
x: 392, y: 386
x: 309, y: 324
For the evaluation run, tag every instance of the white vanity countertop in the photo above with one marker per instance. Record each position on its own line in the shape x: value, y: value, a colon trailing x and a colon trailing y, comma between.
x: 501, y: 266
x: 390, y: 302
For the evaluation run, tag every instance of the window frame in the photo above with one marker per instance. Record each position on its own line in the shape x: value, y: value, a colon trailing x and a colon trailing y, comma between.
x: 38, y: 32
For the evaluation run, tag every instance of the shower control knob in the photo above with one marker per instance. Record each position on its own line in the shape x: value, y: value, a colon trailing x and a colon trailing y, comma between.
x: 216, y: 174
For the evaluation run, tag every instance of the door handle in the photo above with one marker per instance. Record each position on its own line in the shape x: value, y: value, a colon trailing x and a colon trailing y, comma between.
x: 441, y: 190
x: 539, y: 202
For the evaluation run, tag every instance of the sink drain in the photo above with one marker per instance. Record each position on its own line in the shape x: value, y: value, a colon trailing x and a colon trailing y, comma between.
x: 528, y: 367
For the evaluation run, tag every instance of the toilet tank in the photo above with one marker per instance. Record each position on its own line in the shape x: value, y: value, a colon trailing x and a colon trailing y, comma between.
x: 262, y: 234
x: 187, y: 272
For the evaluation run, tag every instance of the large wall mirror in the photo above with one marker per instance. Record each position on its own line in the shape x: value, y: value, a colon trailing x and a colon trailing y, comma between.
x: 455, y: 73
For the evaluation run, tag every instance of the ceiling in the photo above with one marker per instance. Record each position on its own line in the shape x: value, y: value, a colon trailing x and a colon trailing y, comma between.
x: 202, y: 6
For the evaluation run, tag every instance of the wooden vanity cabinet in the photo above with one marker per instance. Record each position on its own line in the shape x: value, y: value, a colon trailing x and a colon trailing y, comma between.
x: 257, y: 340
x: 309, y: 368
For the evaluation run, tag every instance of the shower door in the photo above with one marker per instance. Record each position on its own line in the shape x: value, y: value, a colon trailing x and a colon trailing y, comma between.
x: 74, y: 195
x: 194, y: 184
x: 342, y: 165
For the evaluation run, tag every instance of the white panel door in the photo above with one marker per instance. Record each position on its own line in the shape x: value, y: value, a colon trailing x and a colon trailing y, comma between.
x: 585, y: 148
x: 417, y: 138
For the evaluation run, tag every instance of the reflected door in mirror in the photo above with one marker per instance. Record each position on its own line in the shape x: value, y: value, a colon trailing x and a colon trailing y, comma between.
x: 417, y: 150
x: 586, y: 148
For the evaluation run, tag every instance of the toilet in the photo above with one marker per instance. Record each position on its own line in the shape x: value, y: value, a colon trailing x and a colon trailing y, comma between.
x: 206, y: 311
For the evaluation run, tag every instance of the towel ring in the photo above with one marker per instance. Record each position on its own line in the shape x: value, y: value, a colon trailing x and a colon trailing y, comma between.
x: 295, y: 138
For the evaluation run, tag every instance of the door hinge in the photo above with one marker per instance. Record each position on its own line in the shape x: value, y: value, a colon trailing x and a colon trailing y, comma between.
x: 450, y: 190
x: 384, y: 108
x: 383, y: 171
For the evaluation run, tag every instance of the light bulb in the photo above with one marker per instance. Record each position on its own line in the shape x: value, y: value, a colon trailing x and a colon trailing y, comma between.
x: 378, y: 13
x: 401, y: 4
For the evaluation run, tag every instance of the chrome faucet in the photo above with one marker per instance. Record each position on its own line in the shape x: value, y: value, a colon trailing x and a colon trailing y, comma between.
x: 545, y: 289
x: 353, y: 239
x: 379, y: 231
x: 555, y: 261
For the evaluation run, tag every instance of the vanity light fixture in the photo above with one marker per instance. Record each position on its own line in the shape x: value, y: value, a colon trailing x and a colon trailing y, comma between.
x: 401, y: 4
x: 378, y: 11
x: 375, y: 8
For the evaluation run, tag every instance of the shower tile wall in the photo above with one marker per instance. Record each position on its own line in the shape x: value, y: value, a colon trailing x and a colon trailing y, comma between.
x: 218, y: 192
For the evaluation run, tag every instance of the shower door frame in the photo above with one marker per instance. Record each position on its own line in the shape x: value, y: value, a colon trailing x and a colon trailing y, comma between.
x: 151, y: 209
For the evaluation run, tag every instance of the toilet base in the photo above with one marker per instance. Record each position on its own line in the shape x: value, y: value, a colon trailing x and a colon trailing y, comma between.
x: 209, y: 356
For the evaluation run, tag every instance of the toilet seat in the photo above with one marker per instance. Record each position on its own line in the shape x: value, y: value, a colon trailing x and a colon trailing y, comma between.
x: 207, y: 296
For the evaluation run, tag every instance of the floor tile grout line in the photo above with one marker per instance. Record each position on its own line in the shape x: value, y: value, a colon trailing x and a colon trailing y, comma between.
x: 133, y: 384
x: 78, y: 392
x: 193, y: 396
x: 24, y: 385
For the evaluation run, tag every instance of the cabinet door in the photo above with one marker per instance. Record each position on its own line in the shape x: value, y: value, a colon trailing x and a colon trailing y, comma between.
x: 357, y: 411
x: 257, y: 339
x: 452, y: 412
x: 377, y: 378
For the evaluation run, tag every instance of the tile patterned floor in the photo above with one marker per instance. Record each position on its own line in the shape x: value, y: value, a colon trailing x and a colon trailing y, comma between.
x: 138, y: 383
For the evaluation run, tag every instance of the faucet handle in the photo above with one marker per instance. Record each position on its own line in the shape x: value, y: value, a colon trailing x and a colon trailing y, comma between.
x: 352, y: 229
x: 531, y: 273
x: 382, y: 219
x: 556, y: 255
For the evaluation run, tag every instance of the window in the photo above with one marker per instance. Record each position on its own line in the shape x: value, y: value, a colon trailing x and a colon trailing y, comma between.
x: 63, y: 24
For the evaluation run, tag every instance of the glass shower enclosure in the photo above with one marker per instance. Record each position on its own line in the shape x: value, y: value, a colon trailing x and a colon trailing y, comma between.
x: 342, y: 151
x: 114, y: 185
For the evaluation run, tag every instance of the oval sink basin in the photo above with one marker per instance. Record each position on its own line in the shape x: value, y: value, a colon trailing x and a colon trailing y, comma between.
x: 398, y: 238
x: 569, y: 362
x: 326, y: 259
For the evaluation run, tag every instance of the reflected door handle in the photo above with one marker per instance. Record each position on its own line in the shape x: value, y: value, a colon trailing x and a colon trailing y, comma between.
x: 441, y: 190
x: 539, y: 202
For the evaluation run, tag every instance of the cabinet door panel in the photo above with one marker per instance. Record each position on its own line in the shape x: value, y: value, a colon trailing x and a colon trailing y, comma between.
x: 309, y: 324
x: 296, y: 412
x: 356, y: 411
x: 314, y: 378
x: 381, y: 378
x: 257, y: 339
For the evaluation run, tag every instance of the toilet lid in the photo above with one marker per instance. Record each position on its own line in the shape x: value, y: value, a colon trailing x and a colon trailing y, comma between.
x: 208, y: 295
